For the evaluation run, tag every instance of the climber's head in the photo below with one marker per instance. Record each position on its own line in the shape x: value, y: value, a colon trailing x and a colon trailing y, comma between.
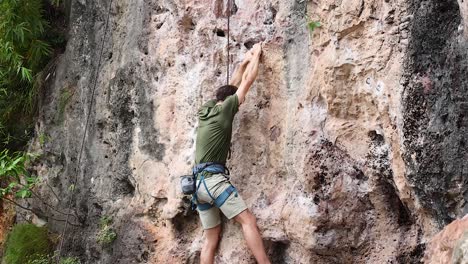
x: 225, y: 91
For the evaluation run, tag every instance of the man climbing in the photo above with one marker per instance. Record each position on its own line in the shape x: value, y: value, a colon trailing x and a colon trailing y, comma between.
x: 214, y: 191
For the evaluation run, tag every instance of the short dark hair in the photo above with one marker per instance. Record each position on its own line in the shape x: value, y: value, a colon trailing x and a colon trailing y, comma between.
x: 225, y: 91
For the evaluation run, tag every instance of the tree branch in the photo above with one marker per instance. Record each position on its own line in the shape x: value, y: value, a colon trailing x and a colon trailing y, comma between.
x: 32, y: 211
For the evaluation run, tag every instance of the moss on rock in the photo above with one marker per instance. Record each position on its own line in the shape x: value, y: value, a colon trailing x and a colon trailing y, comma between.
x: 26, y: 242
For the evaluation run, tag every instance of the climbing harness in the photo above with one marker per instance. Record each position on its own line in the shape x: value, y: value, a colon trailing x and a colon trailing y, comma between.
x: 213, y: 168
x: 96, y: 76
x: 218, y: 202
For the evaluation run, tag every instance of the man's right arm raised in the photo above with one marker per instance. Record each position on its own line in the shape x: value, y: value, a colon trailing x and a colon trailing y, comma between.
x: 250, y: 73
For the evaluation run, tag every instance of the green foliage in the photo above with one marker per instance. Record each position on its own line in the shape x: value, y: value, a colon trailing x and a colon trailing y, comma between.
x: 22, y: 49
x: 105, y: 221
x: 50, y: 259
x: 13, y: 172
x: 55, y: 2
x: 41, y: 259
x: 43, y: 138
x: 70, y: 260
x: 106, y: 234
x: 25, y: 243
x: 65, y: 97
x: 312, y: 25
x: 23, y: 52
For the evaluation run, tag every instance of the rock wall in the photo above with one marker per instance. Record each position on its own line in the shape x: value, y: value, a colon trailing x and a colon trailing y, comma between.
x: 350, y: 147
x: 434, y: 119
x: 7, y: 215
x: 450, y: 245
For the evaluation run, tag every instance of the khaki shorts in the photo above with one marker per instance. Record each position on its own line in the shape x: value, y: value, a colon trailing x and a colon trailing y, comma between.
x: 233, y: 206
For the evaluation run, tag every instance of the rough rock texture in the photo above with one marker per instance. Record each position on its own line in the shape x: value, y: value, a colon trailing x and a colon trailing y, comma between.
x: 460, y: 252
x: 6, y: 221
x: 350, y: 147
x: 450, y: 245
x: 435, y: 110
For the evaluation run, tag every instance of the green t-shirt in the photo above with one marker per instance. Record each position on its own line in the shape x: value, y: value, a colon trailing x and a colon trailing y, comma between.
x: 215, y: 130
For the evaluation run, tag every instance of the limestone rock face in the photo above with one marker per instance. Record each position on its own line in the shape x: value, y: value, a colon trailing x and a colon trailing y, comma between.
x: 350, y: 146
x: 450, y: 245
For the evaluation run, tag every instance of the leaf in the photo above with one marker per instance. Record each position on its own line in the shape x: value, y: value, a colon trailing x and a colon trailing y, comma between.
x: 313, y: 25
x: 3, y: 192
x: 31, y: 180
x: 23, y: 193
x: 31, y: 156
x: 26, y: 74
x: 12, y: 185
x: 14, y: 167
x: 56, y: 2
x: 71, y: 187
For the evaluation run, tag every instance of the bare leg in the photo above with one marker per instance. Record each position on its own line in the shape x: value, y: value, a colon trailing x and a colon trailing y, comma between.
x: 252, y: 236
x: 210, y: 245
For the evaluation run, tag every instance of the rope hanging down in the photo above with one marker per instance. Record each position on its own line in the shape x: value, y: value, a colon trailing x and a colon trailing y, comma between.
x: 228, y: 31
x: 96, y: 76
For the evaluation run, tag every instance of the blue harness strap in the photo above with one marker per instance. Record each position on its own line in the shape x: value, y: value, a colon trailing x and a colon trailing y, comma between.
x: 224, y: 195
x: 219, y: 201
x: 194, y: 200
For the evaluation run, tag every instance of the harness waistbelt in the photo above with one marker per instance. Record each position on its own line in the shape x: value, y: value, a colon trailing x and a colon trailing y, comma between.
x: 213, y: 168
